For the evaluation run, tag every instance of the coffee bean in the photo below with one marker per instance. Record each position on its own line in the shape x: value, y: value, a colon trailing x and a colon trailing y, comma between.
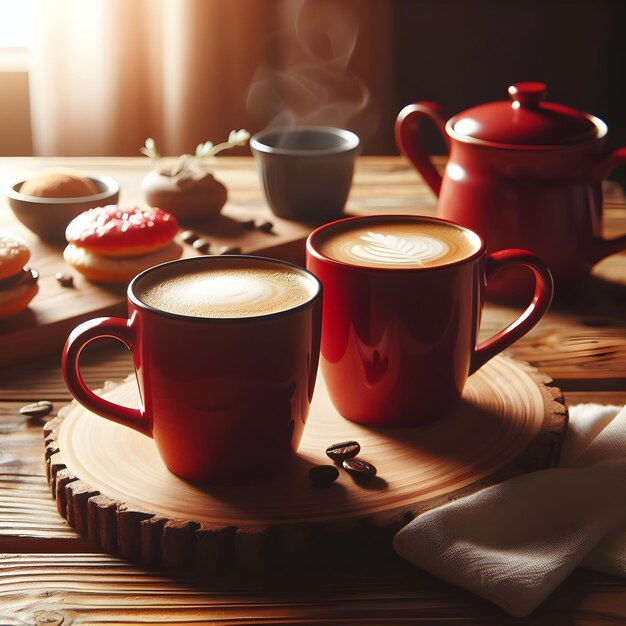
x: 229, y: 250
x: 189, y: 236
x: 266, y: 227
x: 248, y: 224
x: 65, y: 280
x: 339, y: 452
x: 359, y: 468
x: 201, y: 245
x: 37, y: 410
x: 323, y: 474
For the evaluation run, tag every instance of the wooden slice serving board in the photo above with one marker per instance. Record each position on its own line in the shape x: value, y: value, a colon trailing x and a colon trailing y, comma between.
x: 112, y: 486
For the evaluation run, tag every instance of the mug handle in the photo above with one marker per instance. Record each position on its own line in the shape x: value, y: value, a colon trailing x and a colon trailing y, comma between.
x: 408, y: 142
x: 544, y: 290
x: 84, y: 333
x: 605, y: 247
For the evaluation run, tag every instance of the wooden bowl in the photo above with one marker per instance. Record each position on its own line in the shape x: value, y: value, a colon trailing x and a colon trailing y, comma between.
x: 48, y: 217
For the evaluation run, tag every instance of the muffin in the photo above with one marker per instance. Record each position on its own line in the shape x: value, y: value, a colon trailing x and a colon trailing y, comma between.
x: 59, y: 183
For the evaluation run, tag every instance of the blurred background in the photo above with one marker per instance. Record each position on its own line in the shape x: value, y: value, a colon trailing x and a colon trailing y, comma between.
x: 97, y: 77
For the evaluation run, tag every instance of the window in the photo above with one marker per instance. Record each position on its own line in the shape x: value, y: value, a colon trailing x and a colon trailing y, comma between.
x: 17, y: 28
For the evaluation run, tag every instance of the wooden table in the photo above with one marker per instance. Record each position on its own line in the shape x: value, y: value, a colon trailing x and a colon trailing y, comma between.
x: 51, y: 575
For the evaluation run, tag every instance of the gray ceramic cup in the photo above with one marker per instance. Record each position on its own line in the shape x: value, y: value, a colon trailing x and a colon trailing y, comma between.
x: 306, y: 172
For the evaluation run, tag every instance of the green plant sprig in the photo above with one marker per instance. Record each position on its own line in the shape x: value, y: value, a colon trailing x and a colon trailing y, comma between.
x: 203, y: 150
x: 150, y: 150
x: 235, y: 138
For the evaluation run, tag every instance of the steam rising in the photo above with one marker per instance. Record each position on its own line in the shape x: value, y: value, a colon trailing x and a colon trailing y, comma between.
x: 310, y: 81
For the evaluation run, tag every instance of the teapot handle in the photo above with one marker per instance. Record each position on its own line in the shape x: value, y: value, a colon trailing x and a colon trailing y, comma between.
x: 605, y: 247
x: 408, y: 142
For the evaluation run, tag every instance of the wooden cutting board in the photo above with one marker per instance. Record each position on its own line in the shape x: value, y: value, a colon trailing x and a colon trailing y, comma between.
x: 56, y: 310
x: 112, y: 486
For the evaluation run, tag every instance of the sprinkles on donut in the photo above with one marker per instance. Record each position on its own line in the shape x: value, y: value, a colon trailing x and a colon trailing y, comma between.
x: 112, y: 244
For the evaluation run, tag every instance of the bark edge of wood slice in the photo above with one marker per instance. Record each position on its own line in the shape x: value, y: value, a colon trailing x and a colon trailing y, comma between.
x: 112, y: 487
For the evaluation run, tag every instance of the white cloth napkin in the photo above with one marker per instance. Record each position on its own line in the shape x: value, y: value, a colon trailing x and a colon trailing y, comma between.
x: 515, y: 542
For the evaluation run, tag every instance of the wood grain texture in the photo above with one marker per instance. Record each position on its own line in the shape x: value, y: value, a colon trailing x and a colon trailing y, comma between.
x: 98, y: 589
x: 511, y: 420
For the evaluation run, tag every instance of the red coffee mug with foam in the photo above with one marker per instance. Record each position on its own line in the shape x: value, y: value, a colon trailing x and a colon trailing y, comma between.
x: 399, y: 342
x: 225, y: 399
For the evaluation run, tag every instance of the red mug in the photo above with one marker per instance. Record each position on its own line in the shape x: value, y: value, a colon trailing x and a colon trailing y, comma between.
x: 522, y: 173
x: 403, y: 297
x: 225, y: 351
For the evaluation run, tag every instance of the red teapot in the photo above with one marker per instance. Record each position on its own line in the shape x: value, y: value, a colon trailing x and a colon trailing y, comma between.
x: 523, y: 173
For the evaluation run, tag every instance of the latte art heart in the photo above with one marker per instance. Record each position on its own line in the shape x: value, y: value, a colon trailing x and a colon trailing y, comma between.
x: 390, y: 249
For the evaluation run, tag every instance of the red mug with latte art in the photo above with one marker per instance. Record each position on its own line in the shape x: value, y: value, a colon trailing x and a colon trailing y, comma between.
x: 403, y: 297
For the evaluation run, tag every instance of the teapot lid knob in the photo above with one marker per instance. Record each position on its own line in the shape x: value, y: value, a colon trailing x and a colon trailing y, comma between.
x: 527, y: 95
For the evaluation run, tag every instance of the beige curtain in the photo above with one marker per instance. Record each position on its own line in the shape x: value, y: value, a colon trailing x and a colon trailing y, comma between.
x: 106, y: 74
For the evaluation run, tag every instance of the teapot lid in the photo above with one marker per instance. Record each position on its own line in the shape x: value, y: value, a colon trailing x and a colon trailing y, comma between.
x: 526, y: 121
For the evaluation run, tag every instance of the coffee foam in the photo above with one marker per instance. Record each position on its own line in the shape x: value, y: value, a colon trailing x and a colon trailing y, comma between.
x: 397, y: 243
x: 226, y: 289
